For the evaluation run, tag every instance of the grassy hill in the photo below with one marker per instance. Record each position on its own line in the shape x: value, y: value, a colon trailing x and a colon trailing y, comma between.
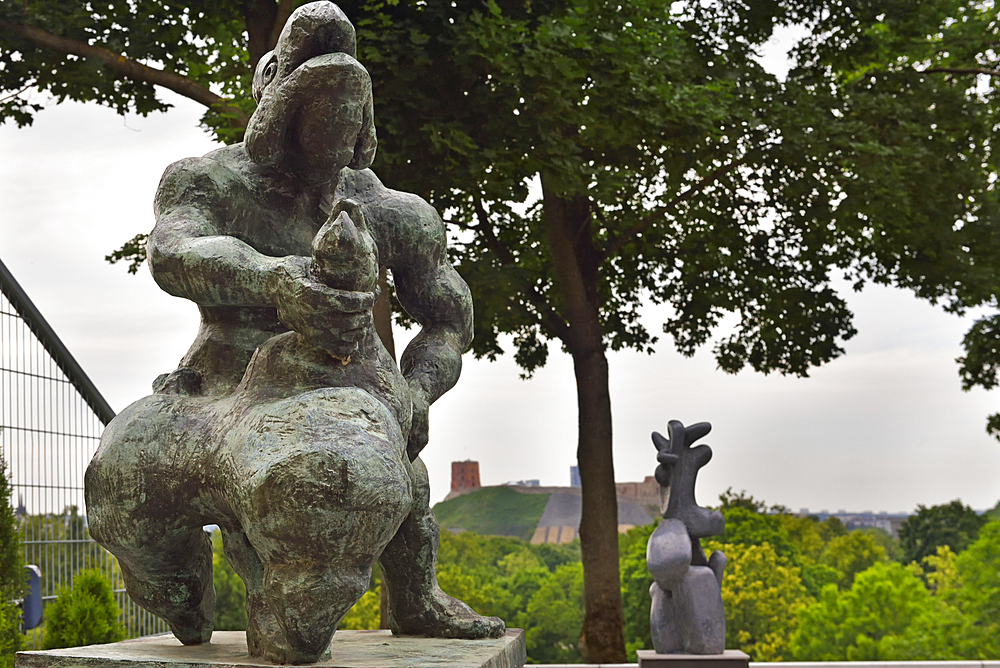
x: 493, y: 511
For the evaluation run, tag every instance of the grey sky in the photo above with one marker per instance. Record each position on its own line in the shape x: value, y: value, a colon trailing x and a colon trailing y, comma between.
x: 883, y: 428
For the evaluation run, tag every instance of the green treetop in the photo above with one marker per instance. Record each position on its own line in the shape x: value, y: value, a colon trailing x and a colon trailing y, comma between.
x: 952, y: 524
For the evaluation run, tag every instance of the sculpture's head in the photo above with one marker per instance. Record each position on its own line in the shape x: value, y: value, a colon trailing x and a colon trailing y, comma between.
x: 314, y: 100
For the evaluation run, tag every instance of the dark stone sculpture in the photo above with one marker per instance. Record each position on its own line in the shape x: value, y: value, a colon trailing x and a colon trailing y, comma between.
x: 287, y: 423
x: 687, y: 615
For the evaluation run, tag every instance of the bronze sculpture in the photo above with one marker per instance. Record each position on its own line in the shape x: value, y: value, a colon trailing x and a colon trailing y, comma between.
x: 287, y: 423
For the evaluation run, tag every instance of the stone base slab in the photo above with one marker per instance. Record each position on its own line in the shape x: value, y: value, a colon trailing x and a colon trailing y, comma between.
x: 350, y: 649
x: 731, y: 658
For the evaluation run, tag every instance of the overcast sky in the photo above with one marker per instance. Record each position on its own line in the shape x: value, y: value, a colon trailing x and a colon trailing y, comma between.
x: 885, y: 427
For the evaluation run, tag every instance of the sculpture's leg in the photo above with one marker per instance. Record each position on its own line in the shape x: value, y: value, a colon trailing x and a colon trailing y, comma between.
x: 265, y: 637
x: 417, y: 605
x: 172, y: 578
x: 324, y: 485
x: 663, y: 621
x: 142, y: 506
x: 702, y: 614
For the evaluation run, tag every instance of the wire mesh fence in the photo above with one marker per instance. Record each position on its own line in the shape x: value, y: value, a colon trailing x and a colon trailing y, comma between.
x: 49, y: 430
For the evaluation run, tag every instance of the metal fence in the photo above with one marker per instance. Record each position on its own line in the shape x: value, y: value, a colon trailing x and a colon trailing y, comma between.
x: 51, y: 418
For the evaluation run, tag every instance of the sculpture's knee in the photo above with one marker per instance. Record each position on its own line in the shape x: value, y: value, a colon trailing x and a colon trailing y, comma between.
x: 142, y: 471
x: 668, y: 553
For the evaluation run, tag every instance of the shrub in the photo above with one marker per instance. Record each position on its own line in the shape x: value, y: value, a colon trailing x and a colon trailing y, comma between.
x: 86, y: 614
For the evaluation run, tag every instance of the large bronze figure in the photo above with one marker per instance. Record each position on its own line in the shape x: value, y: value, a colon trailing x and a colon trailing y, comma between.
x: 287, y: 423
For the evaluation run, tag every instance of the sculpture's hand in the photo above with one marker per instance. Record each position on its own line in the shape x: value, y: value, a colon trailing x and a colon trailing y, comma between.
x: 332, y: 320
x: 419, y: 425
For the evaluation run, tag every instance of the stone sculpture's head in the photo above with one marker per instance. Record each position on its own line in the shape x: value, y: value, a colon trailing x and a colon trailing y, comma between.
x: 314, y: 100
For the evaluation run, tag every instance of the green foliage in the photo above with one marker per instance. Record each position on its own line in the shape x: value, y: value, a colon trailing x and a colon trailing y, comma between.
x: 230, y: 591
x: 635, y: 581
x: 493, y: 511
x: 537, y: 588
x: 85, y: 614
x: 11, y: 575
x: 979, y: 568
x: 748, y: 527
x: 704, y: 147
x: 851, y: 554
x: 202, y: 42
x: 893, y: 550
x: 849, y: 625
x: 953, y: 524
x: 60, y: 543
x: 763, y: 594
x: 556, y: 609
x: 365, y: 615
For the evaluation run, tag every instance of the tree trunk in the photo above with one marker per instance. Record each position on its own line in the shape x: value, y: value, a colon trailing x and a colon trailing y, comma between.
x: 259, y: 17
x: 567, y: 223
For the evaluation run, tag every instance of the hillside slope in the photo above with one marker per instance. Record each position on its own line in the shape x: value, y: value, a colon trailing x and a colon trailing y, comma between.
x: 493, y: 511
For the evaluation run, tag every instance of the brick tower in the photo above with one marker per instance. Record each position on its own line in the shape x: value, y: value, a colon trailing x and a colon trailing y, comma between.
x: 464, y: 475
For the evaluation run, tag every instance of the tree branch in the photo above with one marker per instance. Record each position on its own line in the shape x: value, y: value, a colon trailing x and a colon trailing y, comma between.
x: 962, y: 70
x: 653, y: 216
x: 132, y: 69
x: 554, y: 325
x: 16, y: 93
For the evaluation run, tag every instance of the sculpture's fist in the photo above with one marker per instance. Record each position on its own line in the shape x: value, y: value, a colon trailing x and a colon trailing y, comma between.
x: 333, y: 320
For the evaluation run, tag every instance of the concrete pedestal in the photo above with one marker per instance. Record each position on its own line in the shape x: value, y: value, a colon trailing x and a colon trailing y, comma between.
x: 731, y: 658
x: 228, y: 649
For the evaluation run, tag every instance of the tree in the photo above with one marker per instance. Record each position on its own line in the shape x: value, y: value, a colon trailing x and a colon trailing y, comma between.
x: 851, y: 625
x: 671, y: 168
x: 980, y: 365
x: 84, y: 614
x: 851, y: 554
x: 979, y: 568
x: 715, y: 187
x: 952, y: 524
x: 12, y: 582
x: 97, y: 52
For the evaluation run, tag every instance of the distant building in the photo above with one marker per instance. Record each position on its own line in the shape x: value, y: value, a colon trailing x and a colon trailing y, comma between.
x: 524, y: 483
x: 888, y: 522
x: 574, y: 476
x: 464, y: 476
x: 646, y: 492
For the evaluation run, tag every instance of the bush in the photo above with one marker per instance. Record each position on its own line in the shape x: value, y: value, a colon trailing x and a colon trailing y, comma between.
x: 86, y: 614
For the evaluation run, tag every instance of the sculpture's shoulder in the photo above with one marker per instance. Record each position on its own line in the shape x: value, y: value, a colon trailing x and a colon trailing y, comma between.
x: 404, y: 225
x: 210, y: 181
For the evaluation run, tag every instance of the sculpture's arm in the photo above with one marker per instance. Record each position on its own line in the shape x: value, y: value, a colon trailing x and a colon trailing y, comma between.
x: 433, y: 293
x: 190, y: 254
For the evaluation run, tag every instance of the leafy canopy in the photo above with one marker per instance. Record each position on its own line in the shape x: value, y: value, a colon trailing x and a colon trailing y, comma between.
x: 712, y: 185
x: 953, y: 524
